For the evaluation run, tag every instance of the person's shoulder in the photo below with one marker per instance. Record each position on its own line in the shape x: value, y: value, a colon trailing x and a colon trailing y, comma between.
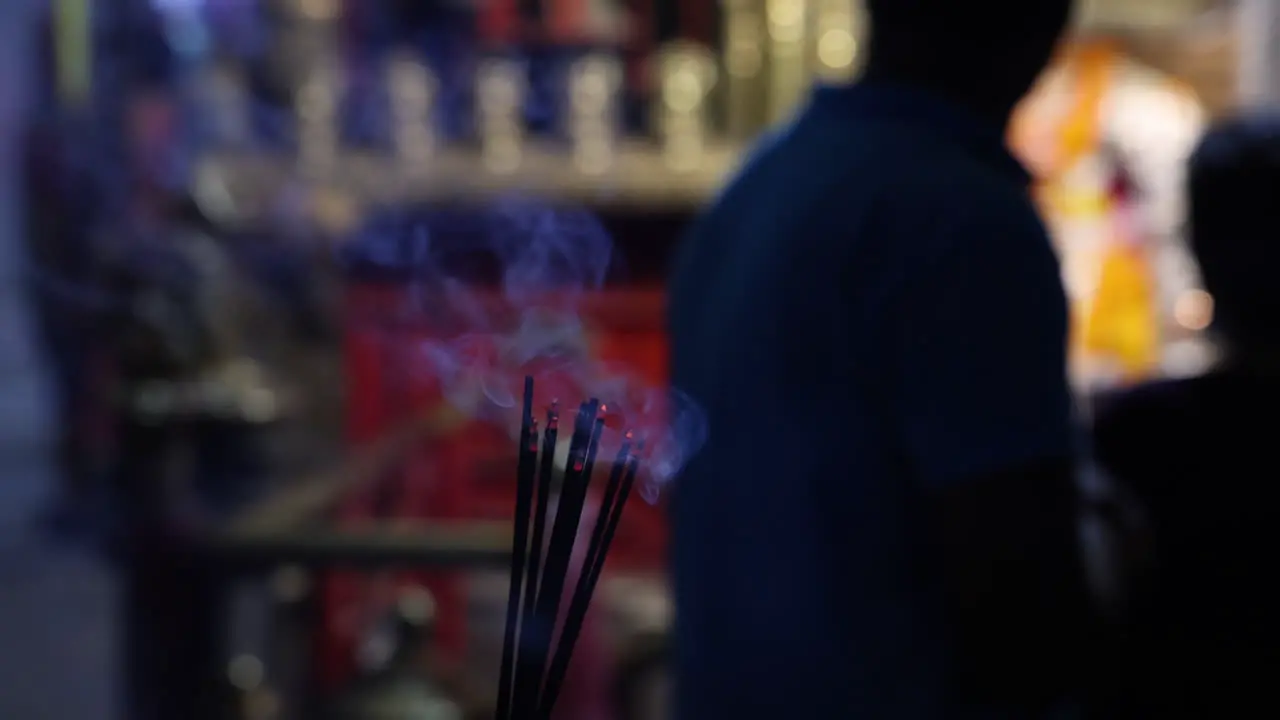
x: 798, y: 181
x: 931, y: 185
x: 976, y: 220
x: 869, y: 175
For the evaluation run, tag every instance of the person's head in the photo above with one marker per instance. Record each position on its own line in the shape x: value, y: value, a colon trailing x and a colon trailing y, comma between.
x: 1233, y: 183
x: 985, y: 53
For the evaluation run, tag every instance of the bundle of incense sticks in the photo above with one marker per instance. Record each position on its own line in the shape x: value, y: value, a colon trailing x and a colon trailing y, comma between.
x: 536, y: 649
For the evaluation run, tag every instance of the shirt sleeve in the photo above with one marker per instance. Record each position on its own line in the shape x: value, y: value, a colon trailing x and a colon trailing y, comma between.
x: 981, y: 378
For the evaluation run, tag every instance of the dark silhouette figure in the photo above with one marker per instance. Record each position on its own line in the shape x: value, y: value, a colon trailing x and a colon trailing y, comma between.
x: 60, y: 205
x: 881, y: 523
x: 189, y: 450
x: 1195, y: 454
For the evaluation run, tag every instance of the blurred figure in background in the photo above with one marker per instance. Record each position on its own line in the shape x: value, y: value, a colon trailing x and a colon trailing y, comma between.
x: 27, y: 413
x: 186, y: 390
x: 53, y: 603
x: 1198, y: 455
x: 182, y: 368
x: 60, y: 204
x: 882, y: 522
x: 77, y: 160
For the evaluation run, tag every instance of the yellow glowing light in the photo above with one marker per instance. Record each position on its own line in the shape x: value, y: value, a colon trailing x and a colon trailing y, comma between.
x: 682, y: 90
x: 837, y: 48
x: 1194, y: 310
x: 784, y: 16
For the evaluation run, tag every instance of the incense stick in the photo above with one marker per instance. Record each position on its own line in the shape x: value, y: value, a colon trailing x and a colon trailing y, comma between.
x: 536, y: 641
x: 576, y: 620
x: 525, y: 468
x: 535, y: 660
x: 598, y: 546
x: 586, y: 585
x: 542, y: 493
x: 615, y: 517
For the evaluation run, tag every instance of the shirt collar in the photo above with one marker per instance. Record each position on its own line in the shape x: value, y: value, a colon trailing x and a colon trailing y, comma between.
x: 937, y: 115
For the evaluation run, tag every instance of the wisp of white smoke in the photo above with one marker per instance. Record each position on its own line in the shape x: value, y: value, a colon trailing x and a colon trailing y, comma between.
x: 509, y: 293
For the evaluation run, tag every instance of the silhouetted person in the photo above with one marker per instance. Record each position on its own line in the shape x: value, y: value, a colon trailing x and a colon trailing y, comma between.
x: 188, y: 447
x: 881, y: 522
x: 1199, y: 455
x: 59, y: 207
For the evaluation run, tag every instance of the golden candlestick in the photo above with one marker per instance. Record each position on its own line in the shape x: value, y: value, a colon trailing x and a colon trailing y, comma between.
x: 413, y: 89
x: 787, y: 23
x: 744, y: 60
x: 837, y: 39
x: 501, y: 90
x: 687, y: 72
x: 594, y: 85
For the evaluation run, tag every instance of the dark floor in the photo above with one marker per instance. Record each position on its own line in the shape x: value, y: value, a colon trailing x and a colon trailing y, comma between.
x: 57, y: 606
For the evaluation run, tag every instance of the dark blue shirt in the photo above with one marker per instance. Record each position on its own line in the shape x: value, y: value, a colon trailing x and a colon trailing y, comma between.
x: 870, y: 312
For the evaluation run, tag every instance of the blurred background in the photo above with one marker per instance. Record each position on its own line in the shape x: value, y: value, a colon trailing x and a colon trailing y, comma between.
x: 230, y: 485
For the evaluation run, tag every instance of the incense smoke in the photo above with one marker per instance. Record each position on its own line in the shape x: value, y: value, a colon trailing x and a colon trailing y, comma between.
x: 503, y: 292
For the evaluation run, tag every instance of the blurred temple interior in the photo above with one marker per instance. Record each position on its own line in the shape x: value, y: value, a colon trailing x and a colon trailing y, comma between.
x: 237, y: 237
